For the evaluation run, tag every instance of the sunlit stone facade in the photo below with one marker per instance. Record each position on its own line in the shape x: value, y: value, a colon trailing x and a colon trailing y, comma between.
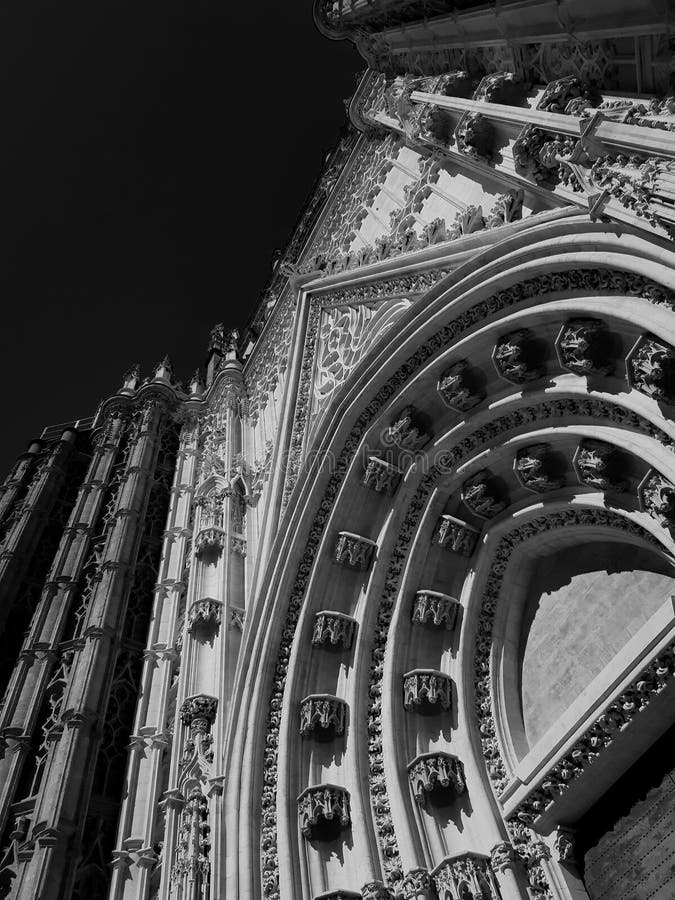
x: 378, y: 604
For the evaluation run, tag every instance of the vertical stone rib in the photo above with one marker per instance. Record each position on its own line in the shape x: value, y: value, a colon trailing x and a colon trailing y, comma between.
x: 63, y: 796
x: 135, y: 857
x: 18, y: 479
x: 27, y: 686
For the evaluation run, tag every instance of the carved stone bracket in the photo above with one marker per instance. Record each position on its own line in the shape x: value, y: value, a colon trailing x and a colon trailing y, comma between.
x: 198, y: 713
x: 513, y: 357
x: 381, y: 476
x: 323, y: 803
x: 499, y: 87
x: 650, y: 368
x: 322, y: 715
x: 474, y: 136
x: 456, y: 535
x: 535, y: 467
x: 469, y: 874
x: 559, y: 94
x: 334, y: 629
x: 376, y: 890
x: 431, y: 771
x: 430, y: 607
x: 205, y: 612
x: 503, y: 856
x: 657, y: 497
x: 405, y: 432
x: 595, y: 463
x: 427, y: 690
x: 457, y: 389
x: 418, y: 885
x: 481, y: 495
x: 353, y: 550
x: 210, y: 539
x: 582, y: 347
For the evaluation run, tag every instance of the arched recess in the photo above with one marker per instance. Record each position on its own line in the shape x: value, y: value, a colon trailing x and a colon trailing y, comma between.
x: 406, y: 371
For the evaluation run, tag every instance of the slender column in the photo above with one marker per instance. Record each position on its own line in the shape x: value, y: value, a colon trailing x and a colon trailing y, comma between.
x: 28, y: 683
x: 21, y: 540
x: 64, y: 791
x: 17, y: 478
x: 135, y: 855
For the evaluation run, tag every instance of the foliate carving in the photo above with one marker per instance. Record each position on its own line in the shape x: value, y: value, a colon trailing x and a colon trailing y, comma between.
x: 456, y: 535
x: 427, y: 690
x: 474, y: 136
x: 326, y: 803
x: 431, y: 771
x: 657, y: 496
x: 558, y: 94
x: 191, y: 866
x: 513, y: 357
x: 430, y: 607
x: 209, y: 540
x: 334, y: 629
x: 531, y: 851
x: 376, y: 890
x: 535, y: 467
x: 405, y: 432
x: 467, y: 221
x: 467, y: 875
x: 322, y: 713
x: 381, y: 476
x: 495, y: 88
x: 457, y: 389
x: 507, y: 208
x: 651, y: 368
x: 198, y: 713
x: 582, y: 347
x: 418, y: 885
x: 595, y: 464
x: 205, y: 612
x: 482, y: 496
x: 354, y: 551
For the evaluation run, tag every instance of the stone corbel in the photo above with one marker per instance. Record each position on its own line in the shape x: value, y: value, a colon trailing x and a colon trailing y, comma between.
x: 354, y: 551
x: 433, y: 608
x: 381, y: 476
x: 427, y: 690
x: 430, y: 772
x: 333, y: 629
x: 320, y: 805
x: 457, y: 535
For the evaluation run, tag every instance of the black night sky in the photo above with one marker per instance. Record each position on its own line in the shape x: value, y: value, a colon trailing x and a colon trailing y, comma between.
x: 153, y: 156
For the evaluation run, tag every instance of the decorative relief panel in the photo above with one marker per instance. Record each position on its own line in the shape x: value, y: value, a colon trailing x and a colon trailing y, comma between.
x: 334, y: 629
x: 354, y: 551
x: 430, y: 772
x: 381, y: 476
x: 430, y: 607
x: 323, y: 803
x: 456, y: 535
x: 322, y: 715
x: 427, y: 690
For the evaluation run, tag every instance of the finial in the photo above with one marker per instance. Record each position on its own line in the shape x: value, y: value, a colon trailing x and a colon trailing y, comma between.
x: 196, y: 384
x: 131, y: 379
x: 164, y: 369
x: 217, y: 337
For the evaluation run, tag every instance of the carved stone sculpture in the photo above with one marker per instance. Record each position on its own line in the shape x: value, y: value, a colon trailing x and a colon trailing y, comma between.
x: 376, y: 890
x: 334, y: 629
x: 427, y: 690
x: 405, y: 432
x: 594, y: 463
x: 455, y: 389
x: 513, y: 357
x: 559, y: 93
x: 582, y: 347
x: 466, y: 222
x: 191, y: 866
x: 534, y: 466
x: 339, y: 895
x: 431, y: 607
x: 657, y: 496
x: 322, y: 714
x: 205, y: 613
x: 323, y: 803
x: 507, y: 208
x: 474, y: 136
x: 564, y: 844
x: 466, y: 875
x: 496, y: 88
x: 431, y: 771
x: 381, y: 476
x: 456, y: 535
x: 481, y: 496
x: 503, y: 856
x: 354, y: 551
x: 209, y: 539
x: 418, y: 885
x: 651, y: 368
x: 199, y: 712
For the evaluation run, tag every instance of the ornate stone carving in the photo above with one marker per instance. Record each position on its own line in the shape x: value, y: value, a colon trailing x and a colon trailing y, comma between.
x: 456, y: 535
x: 657, y: 497
x: 427, y: 690
x: 535, y: 467
x: 507, y: 208
x: 558, y: 94
x: 322, y: 713
x: 381, y: 476
x: 354, y: 551
x: 466, y: 222
x: 209, y: 540
x: 405, y: 432
x: 474, y: 136
x: 206, y: 613
x: 456, y: 388
x: 418, y: 885
x: 503, y: 856
x: 333, y: 628
x: 495, y: 88
x: 582, y: 347
x: 564, y: 844
x: 338, y: 895
x: 466, y: 875
x: 198, y: 713
x: 376, y: 890
x: 595, y: 463
x: 430, y: 607
x: 481, y: 495
x: 650, y: 367
x: 431, y: 771
x: 323, y: 803
x: 192, y: 866
x: 514, y: 358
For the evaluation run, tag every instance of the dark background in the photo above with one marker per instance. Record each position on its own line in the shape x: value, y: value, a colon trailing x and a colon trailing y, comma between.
x: 152, y: 159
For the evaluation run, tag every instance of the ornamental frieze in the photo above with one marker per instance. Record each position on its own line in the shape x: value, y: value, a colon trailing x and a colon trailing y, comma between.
x: 325, y: 803
x: 418, y: 885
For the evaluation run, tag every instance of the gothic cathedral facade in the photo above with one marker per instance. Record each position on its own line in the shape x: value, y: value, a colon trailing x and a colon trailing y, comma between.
x: 379, y: 604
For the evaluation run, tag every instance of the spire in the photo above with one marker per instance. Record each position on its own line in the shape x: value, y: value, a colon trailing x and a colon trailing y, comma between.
x: 196, y: 384
x: 164, y: 370
x: 223, y: 346
x: 131, y: 379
